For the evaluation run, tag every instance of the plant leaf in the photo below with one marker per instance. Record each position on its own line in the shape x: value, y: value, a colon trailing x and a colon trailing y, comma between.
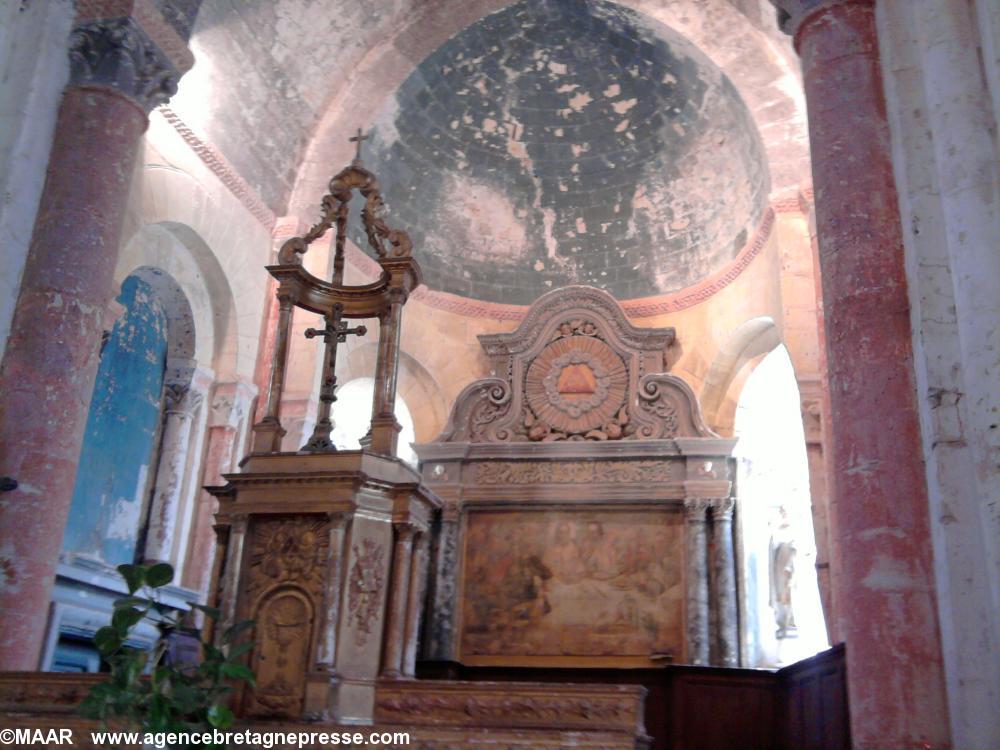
x: 230, y: 635
x: 107, y: 640
x: 123, y: 619
x: 214, y: 612
x: 238, y: 672
x: 132, y: 601
x: 220, y: 717
x: 237, y: 651
x: 134, y: 575
x: 159, y: 575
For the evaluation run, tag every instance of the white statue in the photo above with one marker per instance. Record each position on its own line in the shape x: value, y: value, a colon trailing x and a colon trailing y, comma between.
x: 782, y: 571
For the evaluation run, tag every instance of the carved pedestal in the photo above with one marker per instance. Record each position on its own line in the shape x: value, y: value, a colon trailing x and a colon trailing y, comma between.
x: 318, y: 550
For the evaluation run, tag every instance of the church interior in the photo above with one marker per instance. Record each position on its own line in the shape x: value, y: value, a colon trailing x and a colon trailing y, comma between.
x: 532, y: 374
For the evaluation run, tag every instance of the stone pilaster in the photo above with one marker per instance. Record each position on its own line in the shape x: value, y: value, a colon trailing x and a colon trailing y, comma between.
x: 125, y: 58
x: 696, y: 548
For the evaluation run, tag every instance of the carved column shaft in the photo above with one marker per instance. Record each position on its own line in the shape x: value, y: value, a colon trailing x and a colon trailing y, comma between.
x: 231, y: 576
x: 268, y: 432
x: 696, y: 548
x: 414, y: 602
x: 402, y: 558
x: 181, y: 404
x: 724, y: 578
x: 327, y: 657
x: 441, y: 618
x: 120, y: 67
x: 385, y: 429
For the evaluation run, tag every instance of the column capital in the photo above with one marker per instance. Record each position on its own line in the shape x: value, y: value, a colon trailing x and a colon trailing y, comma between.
x: 405, y: 531
x: 722, y: 508
x: 128, y: 46
x: 231, y: 403
x: 696, y: 508
x: 792, y: 14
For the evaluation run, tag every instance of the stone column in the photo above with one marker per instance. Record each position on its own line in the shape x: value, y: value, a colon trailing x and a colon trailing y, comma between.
x: 882, y: 541
x: 727, y: 641
x: 414, y: 604
x: 125, y: 58
x: 181, y: 402
x: 228, y: 417
x: 441, y: 618
x: 696, y: 550
x: 402, y: 558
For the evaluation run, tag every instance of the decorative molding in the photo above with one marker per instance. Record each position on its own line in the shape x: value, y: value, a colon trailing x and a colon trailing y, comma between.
x: 643, y: 307
x: 575, y: 472
x: 221, y: 168
x: 513, y: 706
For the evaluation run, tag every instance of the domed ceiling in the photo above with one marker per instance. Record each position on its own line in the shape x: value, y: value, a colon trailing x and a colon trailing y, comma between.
x: 568, y: 142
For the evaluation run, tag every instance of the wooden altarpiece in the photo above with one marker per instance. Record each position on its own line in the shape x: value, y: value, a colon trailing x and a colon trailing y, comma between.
x: 587, y: 517
x: 325, y: 549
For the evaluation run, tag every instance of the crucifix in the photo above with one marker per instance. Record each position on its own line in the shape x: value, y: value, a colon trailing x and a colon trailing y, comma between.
x: 335, y: 332
x: 358, y: 139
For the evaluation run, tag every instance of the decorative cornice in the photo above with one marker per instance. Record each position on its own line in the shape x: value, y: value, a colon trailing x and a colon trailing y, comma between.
x: 221, y: 168
x: 644, y: 307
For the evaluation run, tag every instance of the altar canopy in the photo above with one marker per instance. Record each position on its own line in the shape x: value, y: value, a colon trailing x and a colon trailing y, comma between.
x: 587, y: 517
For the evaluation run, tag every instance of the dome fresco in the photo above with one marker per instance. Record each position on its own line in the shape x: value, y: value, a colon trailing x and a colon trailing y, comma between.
x: 556, y: 143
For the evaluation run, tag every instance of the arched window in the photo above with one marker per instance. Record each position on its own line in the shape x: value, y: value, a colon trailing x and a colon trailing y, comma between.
x: 352, y: 416
x: 783, y: 619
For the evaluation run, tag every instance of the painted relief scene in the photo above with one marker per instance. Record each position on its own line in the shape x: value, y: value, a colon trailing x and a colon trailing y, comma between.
x: 573, y: 583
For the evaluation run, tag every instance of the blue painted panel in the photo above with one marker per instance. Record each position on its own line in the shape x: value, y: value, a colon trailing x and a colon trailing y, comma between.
x: 121, y: 427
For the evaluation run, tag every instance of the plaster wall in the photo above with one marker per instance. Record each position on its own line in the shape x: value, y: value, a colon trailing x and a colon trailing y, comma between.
x: 937, y: 70
x: 34, y: 68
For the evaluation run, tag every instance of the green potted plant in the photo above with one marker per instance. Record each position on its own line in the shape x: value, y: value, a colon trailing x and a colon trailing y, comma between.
x: 147, y: 690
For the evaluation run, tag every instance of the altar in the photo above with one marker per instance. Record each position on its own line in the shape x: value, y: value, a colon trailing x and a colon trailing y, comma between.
x: 587, y: 509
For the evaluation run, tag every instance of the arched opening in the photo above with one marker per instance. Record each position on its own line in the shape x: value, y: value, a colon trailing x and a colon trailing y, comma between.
x: 352, y: 414
x: 146, y: 359
x: 783, y: 619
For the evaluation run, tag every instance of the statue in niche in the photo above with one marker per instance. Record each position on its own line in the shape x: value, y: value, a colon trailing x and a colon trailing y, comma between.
x: 782, y: 572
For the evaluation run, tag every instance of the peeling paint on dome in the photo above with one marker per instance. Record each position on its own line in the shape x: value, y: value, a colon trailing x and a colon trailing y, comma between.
x: 553, y: 143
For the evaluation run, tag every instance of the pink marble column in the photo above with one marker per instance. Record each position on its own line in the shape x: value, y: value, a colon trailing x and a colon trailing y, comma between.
x: 881, y: 533
x: 120, y: 68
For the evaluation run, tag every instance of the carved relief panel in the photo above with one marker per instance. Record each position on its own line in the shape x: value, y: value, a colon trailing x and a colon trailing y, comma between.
x: 283, y: 592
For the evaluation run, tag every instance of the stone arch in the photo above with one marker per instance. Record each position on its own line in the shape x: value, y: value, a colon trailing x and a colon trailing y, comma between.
x: 417, y: 387
x: 217, y: 252
x: 727, y: 373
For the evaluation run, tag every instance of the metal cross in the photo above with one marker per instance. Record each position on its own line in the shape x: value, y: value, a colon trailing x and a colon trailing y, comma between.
x: 335, y: 332
x: 358, y: 139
